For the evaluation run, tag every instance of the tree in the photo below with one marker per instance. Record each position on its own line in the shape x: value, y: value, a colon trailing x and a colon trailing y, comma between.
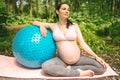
x: 31, y: 8
x: 14, y: 7
x: 21, y: 7
x: 37, y: 8
x: 8, y: 5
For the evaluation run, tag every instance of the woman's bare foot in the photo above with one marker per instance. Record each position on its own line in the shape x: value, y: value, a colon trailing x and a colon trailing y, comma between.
x: 68, y: 67
x: 89, y: 73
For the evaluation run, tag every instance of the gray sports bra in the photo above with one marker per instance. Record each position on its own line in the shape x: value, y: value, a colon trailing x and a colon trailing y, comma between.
x: 59, y: 36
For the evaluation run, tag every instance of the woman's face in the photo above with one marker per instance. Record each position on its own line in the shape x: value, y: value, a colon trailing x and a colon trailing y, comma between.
x: 63, y: 12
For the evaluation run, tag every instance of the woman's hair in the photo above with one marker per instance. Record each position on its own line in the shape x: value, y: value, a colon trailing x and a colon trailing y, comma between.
x: 68, y: 21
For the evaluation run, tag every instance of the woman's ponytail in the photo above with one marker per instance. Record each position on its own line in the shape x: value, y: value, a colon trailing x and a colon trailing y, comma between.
x: 69, y: 23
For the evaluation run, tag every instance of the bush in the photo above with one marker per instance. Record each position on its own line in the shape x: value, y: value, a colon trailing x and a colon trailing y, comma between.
x: 6, y: 37
x: 93, y: 29
x: 97, y: 43
x: 115, y: 32
x: 14, y: 19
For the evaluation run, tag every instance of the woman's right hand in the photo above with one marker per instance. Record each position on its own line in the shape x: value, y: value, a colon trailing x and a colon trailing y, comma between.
x: 100, y: 60
x: 43, y: 31
x: 42, y: 28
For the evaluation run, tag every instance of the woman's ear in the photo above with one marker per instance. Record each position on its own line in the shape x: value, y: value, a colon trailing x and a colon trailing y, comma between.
x: 57, y: 12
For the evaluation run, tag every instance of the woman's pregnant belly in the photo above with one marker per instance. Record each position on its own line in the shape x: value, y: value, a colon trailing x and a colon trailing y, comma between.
x: 68, y: 51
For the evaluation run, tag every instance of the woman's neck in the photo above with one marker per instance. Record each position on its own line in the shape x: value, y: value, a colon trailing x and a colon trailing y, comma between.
x: 62, y: 22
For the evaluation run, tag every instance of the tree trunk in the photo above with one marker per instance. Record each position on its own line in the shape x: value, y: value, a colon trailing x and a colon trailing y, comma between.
x: 21, y: 7
x: 112, y: 6
x: 8, y: 5
x: 117, y: 7
x: 14, y: 7
x: 37, y: 8
x: 30, y: 8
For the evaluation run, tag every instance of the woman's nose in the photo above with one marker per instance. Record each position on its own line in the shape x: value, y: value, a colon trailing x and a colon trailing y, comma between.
x: 67, y: 11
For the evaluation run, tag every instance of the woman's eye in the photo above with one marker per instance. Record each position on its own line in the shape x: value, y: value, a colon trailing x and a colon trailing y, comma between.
x: 64, y: 8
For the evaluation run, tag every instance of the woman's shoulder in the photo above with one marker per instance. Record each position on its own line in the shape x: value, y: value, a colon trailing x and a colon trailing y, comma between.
x: 52, y: 25
x: 75, y: 25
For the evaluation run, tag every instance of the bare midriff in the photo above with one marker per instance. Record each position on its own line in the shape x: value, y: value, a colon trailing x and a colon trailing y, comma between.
x: 68, y: 51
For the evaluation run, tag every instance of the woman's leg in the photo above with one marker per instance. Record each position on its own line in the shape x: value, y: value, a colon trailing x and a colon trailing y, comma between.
x: 56, y: 67
x: 87, y: 63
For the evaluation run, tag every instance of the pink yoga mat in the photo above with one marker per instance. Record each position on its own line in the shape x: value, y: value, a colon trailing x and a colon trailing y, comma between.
x: 10, y: 68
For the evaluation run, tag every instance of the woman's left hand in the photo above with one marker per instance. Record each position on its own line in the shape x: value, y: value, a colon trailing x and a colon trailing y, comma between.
x: 100, y: 60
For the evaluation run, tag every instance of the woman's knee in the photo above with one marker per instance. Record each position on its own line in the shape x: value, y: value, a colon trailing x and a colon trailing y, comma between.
x: 51, y: 66
x: 100, y: 70
x: 45, y: 66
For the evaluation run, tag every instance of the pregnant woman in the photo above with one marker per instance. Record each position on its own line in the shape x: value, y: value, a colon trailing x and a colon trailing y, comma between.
x: 70, y: 61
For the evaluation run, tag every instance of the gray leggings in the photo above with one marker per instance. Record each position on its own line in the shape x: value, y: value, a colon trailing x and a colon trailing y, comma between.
x: 56, y: 67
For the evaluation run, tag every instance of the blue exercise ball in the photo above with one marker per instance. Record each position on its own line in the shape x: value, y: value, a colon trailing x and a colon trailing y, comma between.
x: 31, y: 49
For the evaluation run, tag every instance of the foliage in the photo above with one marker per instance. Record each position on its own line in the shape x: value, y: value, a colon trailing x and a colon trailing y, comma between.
x: 14, y: 19
x: 6, y: 38
x: 114, y: 30
x: 96, y: 43
x: 99, y: 20
x: 94, y: 29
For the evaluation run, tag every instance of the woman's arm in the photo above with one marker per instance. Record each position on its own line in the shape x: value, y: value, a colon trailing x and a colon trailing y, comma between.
x: 46, y: 25
x: 82, y: 43
x: 85, y: 47
x: 43, y: 26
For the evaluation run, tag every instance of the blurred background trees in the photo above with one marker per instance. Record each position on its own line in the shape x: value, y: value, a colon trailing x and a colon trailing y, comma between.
x: 99, y: 20
x: 38, y: 6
